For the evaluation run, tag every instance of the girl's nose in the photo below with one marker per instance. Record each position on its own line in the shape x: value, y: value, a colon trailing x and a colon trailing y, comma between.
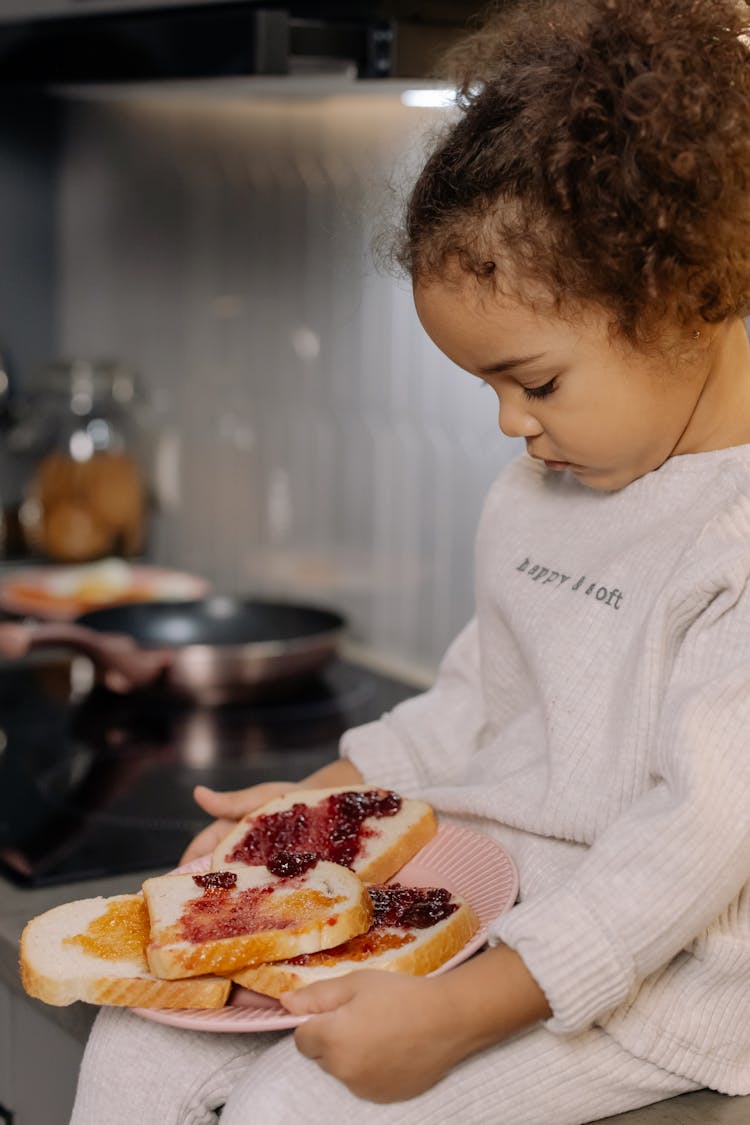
x: 516, y: 421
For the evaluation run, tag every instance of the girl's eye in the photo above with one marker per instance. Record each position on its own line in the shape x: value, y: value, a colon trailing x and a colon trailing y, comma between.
x: 540, y: 392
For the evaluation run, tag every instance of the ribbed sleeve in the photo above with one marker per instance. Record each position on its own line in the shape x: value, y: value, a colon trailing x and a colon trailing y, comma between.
x: 577, y: 958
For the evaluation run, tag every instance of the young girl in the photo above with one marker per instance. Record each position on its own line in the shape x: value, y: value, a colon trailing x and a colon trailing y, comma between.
x: 580, y: 240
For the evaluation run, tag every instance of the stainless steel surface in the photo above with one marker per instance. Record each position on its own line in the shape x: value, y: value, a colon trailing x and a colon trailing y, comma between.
x: 214, y: 675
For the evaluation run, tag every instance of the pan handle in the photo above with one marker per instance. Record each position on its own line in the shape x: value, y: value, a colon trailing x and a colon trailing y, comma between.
x: 125, y: 664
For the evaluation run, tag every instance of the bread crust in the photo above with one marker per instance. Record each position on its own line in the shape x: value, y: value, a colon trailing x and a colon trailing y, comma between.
x: 91, y: 982
x: 380, y: 866
x: 417, y: 959
x: 306, y: 918
x: 126, y: 992
x: 176, y: 962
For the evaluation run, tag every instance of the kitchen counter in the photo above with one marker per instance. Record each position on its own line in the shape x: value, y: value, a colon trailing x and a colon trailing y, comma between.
x: 17, y: 905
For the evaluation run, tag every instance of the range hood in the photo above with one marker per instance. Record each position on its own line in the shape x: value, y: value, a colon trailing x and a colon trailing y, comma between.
x: 56, y: 42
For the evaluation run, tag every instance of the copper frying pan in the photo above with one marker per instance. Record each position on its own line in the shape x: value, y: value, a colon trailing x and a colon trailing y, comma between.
x: 211, y: 650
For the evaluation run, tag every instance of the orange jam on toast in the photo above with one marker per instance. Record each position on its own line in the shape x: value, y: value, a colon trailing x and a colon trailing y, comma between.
x: 121, y: 932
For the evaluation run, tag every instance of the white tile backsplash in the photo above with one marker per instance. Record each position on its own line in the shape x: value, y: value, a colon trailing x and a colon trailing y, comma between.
x: 318, y: 445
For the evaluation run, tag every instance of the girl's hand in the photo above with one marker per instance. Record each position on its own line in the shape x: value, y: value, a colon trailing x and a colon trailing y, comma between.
x: 390, y: 1037
x: 386, y: 1036
x: 229, y: 808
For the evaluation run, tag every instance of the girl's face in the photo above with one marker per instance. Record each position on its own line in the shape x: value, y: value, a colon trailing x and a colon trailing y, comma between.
x: 582, y: 401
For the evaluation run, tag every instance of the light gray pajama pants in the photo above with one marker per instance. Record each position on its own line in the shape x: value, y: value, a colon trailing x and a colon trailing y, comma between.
x: 136, y: 1072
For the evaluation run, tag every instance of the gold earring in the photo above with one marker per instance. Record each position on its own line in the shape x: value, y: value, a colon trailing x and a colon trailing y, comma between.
x: 697, y: 334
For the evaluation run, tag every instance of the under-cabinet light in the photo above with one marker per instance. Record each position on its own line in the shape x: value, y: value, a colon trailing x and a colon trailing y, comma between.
x: 430, y: 98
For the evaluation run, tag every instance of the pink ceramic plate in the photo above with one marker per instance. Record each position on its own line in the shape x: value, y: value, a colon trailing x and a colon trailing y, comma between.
x: 457, y: 858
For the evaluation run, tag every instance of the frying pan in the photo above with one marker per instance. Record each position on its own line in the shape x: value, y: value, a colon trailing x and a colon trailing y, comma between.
x: 211, y: 650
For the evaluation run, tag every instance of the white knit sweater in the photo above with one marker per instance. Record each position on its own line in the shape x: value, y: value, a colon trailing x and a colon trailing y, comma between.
x: 595, y: 719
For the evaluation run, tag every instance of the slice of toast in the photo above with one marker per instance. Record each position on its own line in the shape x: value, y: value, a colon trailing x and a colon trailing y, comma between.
x: 372, y: 831
x: 223, y: 920
x: 415, y: 930
x: 95, y: 950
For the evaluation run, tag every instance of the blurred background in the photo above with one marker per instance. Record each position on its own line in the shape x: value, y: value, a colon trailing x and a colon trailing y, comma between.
x: 203, y: 365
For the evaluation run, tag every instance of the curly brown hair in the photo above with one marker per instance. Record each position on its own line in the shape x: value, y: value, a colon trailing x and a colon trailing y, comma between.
x: 602, y: 152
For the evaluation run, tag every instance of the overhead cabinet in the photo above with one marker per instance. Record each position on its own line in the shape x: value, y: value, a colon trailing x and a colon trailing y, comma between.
x: 53, y: 42
x: 28, y: 9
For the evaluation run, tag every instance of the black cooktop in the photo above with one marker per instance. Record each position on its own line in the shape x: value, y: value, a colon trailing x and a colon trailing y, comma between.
x: 102, y: 784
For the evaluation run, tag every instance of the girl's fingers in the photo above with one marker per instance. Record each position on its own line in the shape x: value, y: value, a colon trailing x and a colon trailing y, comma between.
x: 237, y: 802
x: 322, y: 996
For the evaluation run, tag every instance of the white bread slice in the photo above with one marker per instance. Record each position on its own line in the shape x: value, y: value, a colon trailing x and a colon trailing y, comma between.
x: 95, y: 950
x: 396, y: 948
x: 257, y: 916
x: 301, y: 821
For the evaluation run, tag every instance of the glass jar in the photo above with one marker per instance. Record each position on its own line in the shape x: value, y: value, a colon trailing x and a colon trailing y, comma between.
x: 86, y: 496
